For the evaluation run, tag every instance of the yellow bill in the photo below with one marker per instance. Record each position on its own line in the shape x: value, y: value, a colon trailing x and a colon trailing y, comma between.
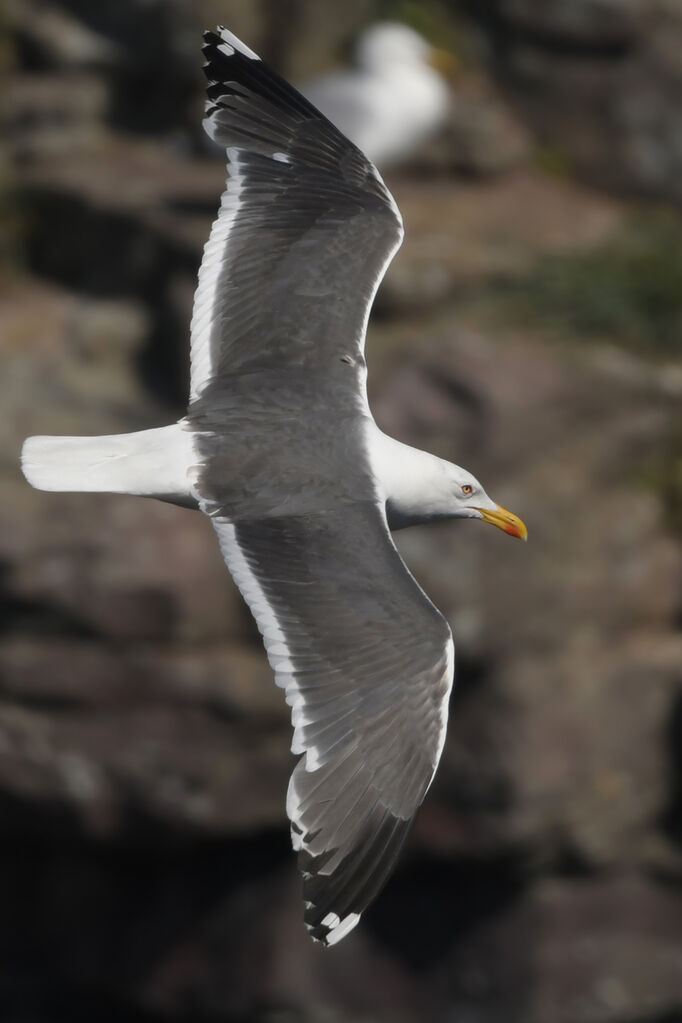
x: 505, y: 520
x: 444, y: 62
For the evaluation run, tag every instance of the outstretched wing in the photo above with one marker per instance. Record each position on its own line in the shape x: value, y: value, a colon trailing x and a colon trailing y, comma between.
x: 305, y: 231
x: 282, y: 435
x: 367, y: 662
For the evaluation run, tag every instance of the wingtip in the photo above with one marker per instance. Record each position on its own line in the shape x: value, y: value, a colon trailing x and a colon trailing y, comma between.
x: 331, y: 930
x: 210, y: 40
x: 227, y: 43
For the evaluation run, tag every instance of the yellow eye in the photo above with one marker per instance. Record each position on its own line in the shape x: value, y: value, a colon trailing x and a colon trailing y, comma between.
x: 467, y: 489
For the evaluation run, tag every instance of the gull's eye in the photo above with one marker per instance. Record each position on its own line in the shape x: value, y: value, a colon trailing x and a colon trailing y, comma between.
x: 467, y: 489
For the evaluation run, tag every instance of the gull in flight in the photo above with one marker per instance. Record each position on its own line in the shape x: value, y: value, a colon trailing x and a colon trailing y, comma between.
x: 279, y: 448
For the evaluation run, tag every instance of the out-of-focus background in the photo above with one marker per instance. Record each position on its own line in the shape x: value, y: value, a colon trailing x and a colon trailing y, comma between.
x: 531, y: 329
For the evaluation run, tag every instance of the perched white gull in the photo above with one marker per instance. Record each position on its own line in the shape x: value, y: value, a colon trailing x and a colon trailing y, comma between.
x: 280, y: 449
x: 392, y: 100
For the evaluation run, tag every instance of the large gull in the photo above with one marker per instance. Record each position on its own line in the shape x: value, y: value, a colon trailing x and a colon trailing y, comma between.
x: 393, y: 99
x: 280, y: 450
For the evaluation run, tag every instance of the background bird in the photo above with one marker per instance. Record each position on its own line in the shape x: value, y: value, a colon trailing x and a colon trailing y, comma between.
x: 393, y: 99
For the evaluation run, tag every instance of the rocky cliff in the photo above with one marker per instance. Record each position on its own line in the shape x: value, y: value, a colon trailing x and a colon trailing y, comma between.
x: 146, y: 867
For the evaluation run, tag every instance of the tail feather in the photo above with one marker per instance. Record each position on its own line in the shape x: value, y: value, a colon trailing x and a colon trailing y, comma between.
x: 151, y: 463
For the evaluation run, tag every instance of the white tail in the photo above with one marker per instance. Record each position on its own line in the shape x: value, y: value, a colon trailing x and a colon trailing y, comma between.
x: 151, y: 463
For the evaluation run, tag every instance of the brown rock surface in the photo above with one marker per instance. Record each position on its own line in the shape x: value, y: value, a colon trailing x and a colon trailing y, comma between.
x: 576, y: 630
x: 133, y: 707
x: 459, y: 238
x: 599, y: 83
x: 145, y: 870
x: 482, y: 136
x: 590, y: 951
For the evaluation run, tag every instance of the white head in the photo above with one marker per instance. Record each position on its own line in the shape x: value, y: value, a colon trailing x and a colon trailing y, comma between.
x: 420, y: 487
x: 460, y: 495
x: 389, y: 44
x: 423, y: 488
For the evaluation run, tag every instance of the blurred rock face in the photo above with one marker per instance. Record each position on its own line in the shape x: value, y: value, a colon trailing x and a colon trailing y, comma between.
x: 146, y: 866
x: 600, y: 82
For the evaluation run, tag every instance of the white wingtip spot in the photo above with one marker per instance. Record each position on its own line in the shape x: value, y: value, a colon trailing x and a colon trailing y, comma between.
x: 231, y: 39
x: 296, y: 841
x: 281, y: 157
x: 312, y: 757
x: 227, y: 49
x: 341, y: 930
x: 331, y: 920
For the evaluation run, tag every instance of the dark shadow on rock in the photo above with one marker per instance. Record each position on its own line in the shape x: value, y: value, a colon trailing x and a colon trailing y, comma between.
x: 22, y: 615
x: 618, y: 43
x: 25, y: 1001
x: 433, y: 903
x: 86, y: 925
x: 137, y: 261
x: 571, y: 863
x: 155, y: 73
x: 671, y: 821
x: 472, y: 674
x: 460, y: 393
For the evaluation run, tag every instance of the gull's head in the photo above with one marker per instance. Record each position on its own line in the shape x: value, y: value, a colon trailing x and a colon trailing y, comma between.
x: 388, y: 45
x: 468, y: 500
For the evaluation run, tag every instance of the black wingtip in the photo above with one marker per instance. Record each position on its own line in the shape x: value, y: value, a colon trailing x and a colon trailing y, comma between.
x: 233, y: 67
x: 252, y: 108
x: 210, y: 39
